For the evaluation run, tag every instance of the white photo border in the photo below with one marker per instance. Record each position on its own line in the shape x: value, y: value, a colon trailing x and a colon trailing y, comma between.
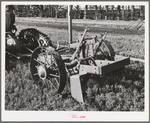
x: 65, y: 115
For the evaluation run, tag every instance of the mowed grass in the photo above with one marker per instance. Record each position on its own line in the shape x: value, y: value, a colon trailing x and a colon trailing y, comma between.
x: 122, y: 90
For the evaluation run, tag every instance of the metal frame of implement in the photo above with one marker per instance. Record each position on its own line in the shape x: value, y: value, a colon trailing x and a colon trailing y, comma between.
x: 102, y: 67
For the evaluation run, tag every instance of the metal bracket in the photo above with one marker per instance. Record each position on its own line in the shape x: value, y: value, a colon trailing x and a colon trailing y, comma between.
x: 76, y: 88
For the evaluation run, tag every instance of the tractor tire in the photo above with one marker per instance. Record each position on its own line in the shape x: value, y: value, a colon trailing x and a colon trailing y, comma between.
x: 32, y: 38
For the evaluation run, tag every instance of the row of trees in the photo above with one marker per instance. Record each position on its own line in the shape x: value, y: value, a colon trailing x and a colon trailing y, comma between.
x: 87, y: 12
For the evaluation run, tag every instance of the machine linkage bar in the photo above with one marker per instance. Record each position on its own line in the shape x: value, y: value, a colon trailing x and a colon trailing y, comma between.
x: 103, y: 66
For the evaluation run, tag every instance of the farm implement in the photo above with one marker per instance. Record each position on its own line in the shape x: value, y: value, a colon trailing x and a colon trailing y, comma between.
x: 137, y: 25
x: 92, y: 56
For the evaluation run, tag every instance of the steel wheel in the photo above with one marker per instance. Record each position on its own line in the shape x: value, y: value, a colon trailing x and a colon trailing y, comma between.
x: 104, y: 52
x: 48, y: 69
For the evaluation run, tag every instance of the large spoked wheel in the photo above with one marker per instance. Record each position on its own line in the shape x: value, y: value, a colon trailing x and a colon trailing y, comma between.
x: 48, y: 69
x: 104, y: 51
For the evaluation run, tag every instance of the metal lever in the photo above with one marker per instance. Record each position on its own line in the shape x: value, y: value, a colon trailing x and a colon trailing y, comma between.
x: 103, y: 36
x: 80, y: 44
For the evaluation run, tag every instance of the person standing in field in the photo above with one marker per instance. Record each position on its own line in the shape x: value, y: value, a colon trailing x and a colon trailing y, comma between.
x: 10, y: 19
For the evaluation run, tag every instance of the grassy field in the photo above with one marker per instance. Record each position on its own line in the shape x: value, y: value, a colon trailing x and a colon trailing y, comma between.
x: 122, y: 90
x: 97, y: 23
x: 125, y: 42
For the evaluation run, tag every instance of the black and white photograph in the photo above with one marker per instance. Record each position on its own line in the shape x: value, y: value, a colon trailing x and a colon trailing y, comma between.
x: 75, y: 61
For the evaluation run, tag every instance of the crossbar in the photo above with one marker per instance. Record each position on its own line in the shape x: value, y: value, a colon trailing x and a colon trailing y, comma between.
x: 104, y: 66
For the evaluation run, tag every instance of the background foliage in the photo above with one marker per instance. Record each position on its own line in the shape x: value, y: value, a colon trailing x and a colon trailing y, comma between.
x: 88, y: 12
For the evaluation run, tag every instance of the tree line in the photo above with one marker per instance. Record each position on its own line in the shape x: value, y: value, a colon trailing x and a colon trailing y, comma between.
x: 108, y: 12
